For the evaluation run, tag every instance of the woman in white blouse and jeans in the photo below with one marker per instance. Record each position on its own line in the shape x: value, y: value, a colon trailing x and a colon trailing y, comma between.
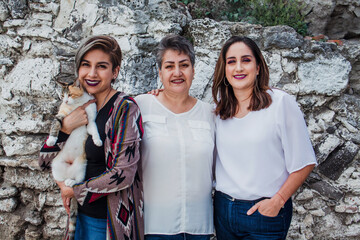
x: 263, y: 149
x: 177, y: 150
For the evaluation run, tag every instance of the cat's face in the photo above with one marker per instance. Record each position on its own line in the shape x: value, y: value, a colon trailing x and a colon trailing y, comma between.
x: 72, y: 93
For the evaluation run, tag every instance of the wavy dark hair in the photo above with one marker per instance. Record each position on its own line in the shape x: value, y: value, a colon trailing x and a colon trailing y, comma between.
x: 223, y: 95
x: 105, y: 43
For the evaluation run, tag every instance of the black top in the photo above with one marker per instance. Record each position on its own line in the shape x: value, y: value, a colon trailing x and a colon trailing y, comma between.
x: 96, y: 164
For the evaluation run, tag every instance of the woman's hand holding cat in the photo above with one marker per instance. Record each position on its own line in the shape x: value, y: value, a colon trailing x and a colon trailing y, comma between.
x: 76, y: 118
x: 66, y: 194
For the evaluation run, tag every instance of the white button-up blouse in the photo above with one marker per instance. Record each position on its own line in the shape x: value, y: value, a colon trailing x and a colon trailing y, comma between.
x: 177, y: 160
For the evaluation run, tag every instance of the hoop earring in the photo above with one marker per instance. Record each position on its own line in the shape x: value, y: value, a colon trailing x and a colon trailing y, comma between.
x: 226, y: 83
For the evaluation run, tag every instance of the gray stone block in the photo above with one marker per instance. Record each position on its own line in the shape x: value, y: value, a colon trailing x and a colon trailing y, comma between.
x: 338, y: 160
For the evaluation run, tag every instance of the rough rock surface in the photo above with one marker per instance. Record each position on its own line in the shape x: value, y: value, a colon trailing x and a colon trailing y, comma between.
x: 38, y: 39
x: 334, y: 18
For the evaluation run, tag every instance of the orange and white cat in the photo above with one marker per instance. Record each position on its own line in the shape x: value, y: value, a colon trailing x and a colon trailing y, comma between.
x: 69, y: 165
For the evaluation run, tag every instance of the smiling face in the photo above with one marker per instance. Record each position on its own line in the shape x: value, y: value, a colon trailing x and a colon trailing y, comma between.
x: 241, y: 68
x: 176, y: 72
x: 95, y: 72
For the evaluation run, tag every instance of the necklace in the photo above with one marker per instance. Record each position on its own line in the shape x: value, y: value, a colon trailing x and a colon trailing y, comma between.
x: 102, y: 105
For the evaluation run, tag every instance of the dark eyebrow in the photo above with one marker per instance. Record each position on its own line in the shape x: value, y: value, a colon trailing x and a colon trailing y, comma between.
x: 106, y: 63
x: 241, y: 56
x: 184, y: 60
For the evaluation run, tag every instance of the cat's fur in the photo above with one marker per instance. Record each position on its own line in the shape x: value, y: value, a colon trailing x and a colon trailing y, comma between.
x: 74, y: 149
x: 69, y: 166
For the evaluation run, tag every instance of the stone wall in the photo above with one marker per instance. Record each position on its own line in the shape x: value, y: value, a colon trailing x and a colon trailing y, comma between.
x: 334, y: 18
x: 38, y: 39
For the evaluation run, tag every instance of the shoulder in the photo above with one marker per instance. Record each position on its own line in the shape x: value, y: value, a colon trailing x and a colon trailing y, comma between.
x: 285, y: 104
x: 125, y: 101
x: 279, y: 96
x: 205, y: 111
x: 205, y: 105
x: 143, y: 97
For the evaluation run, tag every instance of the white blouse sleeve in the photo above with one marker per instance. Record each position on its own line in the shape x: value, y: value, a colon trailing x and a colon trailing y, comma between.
x: 298, y: 151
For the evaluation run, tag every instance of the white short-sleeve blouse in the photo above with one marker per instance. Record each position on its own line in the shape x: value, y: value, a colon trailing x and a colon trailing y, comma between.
x: 177, y: 160
x: 256, y: 153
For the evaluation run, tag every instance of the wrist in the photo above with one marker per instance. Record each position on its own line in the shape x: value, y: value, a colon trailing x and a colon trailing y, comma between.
x: 279, y: 199
x: 60, y: 184
x: 65, y: 130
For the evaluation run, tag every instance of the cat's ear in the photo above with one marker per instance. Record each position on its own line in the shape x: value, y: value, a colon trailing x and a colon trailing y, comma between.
x: 59, y: 93
x: 77, y: 83
x: 64, y: 87
x: 63, y: 84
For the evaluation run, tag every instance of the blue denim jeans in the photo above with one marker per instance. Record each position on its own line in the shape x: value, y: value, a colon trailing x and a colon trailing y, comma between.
x: 232, y: 222
x: 180, y: 236
x: 89, y: 228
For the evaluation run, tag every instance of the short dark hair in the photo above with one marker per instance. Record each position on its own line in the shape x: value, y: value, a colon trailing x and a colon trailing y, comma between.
x: 105, y: 43
x: 175, y: 42
x: 223, y: 95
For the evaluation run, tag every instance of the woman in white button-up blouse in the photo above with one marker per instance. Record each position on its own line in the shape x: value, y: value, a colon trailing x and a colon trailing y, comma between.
x: 177, y: 150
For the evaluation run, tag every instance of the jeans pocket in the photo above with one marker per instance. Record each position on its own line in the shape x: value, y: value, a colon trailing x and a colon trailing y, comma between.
x: 280, y: 214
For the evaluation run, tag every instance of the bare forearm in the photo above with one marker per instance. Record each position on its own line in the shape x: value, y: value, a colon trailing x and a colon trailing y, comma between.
x: 294, y: 181
x: 271, y: 207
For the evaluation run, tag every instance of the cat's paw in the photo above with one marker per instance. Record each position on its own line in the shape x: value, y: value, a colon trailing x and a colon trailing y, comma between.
x: 97, y: 142
x: 72, y: 226
x: 69, y: 182
x: 51, y: 141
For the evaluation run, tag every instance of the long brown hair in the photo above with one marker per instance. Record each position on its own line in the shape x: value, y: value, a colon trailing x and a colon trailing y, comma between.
x: 223, y: 95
